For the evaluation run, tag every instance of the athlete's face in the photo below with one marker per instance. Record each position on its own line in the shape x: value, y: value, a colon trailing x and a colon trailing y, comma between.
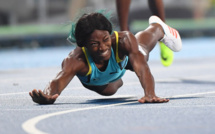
x: 99, y: 45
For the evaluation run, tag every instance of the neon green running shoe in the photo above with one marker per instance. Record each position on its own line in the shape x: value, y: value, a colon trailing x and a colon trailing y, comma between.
x: 167, y: 55
x: 172, y: 41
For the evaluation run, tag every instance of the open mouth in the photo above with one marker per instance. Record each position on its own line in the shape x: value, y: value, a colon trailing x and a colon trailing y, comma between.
x: 105, y: 53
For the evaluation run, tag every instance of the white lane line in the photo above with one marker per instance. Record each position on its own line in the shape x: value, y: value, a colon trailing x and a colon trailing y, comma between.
x: 14, y: 93
x: 54, y: 109
x: 29, y: 126
x: 190, y: 95
x: 155, y: 106
x: 125, y: 107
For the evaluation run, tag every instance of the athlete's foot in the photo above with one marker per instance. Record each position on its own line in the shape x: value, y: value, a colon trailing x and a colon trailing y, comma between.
x: 166, y: 55
x: 171, y: 37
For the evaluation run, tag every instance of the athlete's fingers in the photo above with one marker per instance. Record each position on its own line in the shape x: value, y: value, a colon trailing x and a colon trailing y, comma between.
x: 31, y: 94
x: 35, y: 93
x: 154, y: 99
x: 163, y: 100
x: 41, y: 93
x: 142, y: 100
x: 166, y: 100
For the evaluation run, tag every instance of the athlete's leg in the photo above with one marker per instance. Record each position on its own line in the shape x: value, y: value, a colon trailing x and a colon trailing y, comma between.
x: 148, y: 38
x: 123, y: 13
x: 157, y: 8
x: 108, y: 89
x: 171, y: 37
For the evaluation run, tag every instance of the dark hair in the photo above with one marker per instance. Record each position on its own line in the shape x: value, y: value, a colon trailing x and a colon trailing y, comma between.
x: 87, y: 24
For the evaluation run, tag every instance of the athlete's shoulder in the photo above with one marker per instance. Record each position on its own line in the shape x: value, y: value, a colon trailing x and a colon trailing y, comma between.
x: 76, y: 54
x: 127, y: 41
x: 124, y: 34
x: 75, y: 61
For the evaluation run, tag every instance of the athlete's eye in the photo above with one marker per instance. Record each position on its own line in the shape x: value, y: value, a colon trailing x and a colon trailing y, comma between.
x: 94, y: 44
x: 106, y: 39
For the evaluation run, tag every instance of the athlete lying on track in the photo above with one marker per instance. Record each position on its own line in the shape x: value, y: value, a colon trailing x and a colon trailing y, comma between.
x: 102, y: 57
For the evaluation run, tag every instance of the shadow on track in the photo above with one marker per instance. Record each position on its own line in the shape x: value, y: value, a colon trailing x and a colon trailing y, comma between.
x: 112, y: 100
x: 187, y: 81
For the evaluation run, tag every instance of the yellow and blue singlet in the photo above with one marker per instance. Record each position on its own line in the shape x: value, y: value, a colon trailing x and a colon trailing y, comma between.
x: 114, y: 71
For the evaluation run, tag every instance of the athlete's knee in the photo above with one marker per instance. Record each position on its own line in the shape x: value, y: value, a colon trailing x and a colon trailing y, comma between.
x: 107, y: 93
x: 111, y: 89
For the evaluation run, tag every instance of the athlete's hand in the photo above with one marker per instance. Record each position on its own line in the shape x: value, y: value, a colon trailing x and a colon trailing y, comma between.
x: 41, y: 98
x: 154, y: 99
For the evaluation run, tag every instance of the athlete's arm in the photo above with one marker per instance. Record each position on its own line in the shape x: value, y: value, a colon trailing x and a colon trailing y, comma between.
x: 70, y: 67
x: 141, y: 69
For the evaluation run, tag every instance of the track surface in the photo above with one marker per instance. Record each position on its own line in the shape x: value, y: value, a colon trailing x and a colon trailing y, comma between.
x: 189, y: 83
